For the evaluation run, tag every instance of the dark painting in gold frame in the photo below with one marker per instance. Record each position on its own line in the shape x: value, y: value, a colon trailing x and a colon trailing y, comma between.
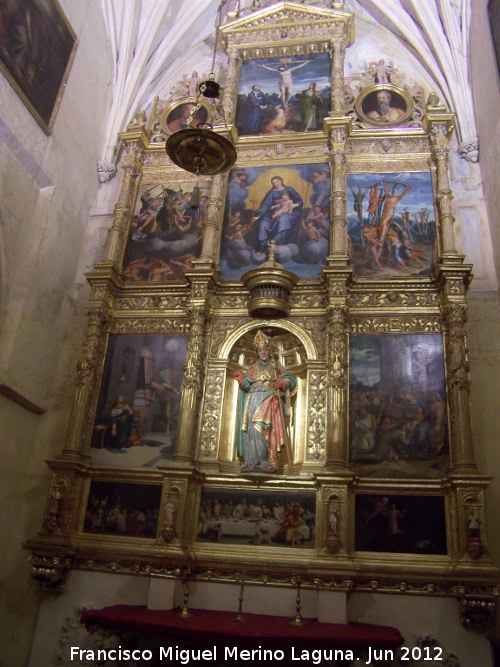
x: 36, y: 53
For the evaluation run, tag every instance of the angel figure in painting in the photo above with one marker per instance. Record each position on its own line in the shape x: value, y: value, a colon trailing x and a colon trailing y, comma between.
x: 266, y: 390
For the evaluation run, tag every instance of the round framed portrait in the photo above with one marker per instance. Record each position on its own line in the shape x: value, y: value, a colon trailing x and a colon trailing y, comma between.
x: 176, y: 116
x: 384, y: 105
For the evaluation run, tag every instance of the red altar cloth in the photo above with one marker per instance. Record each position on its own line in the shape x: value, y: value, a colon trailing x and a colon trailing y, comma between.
x: 220, y: 626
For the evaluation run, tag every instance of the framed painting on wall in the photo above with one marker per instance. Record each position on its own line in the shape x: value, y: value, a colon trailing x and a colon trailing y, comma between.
x: 391, y: 222
x: 138, y: 405
x: 400, y: 524
x: 289, y: 205
x: 398, y: 422
x: 283, y: 95
x: 166, y: 233
x: 263, y: 518
x: 36, y: 53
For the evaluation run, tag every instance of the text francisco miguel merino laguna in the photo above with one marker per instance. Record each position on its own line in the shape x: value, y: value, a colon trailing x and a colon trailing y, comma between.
x: 184, y: 656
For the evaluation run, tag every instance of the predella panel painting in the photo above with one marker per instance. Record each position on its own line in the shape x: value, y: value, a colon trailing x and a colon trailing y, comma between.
x: 138, y: 406
x: 391, y: 223
x: 166, y: 233
x: 283, y: 95
x: 289, y: 205
x: 400, y: 524
x: 398, y: 413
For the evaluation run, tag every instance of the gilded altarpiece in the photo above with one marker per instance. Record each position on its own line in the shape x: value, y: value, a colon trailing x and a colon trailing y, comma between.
x: 366, y: 410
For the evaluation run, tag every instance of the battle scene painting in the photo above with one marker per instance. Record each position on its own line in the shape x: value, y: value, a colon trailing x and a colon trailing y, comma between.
x: 127, y: 510
x: 166, y: 232
x: 398, y: 421
x: 138, y: 408
x: 400, y: 524
x: 391, y: 223
x: 285, y: 205
x: 283, y: 95
x: 264, y: 518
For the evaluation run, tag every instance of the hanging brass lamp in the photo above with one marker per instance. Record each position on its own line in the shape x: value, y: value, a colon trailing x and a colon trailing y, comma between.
x: 200, y: 150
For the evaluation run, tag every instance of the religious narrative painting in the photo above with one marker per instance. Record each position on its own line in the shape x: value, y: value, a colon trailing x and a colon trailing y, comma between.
x: 398, y: 421
x: 266, y: 518
x: 400, y: 524
x: 138, y: 408
x: 282, y: 95
x: 181, y: 115
x: 166, y: 232
x: 129, y: 510
x: 288, y: 205
x: 36, y: 52
x: 391, y: 223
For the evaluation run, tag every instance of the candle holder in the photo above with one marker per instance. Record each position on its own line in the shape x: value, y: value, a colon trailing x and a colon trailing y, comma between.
x: 298, y: 620
x: 185, y: 613
x: 240, y: 618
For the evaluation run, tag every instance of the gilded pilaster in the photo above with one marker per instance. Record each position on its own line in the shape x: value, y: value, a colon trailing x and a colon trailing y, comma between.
x: 338, y: 130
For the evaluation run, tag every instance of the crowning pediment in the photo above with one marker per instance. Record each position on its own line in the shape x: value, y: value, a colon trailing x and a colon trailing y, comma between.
x: 287, y: 22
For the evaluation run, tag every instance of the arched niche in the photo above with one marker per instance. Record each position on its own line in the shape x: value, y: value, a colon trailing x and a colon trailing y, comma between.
x: 293, y: 348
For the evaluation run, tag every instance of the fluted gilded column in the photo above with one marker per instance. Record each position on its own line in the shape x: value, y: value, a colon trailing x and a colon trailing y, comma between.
x: 85, y: 385
x: 191, y: 387
x: 123, y: 207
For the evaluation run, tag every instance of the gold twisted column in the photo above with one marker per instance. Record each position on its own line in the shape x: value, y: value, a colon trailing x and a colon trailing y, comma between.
x: 191, y: 387
x: 118, y: 231
x: 85, y: 386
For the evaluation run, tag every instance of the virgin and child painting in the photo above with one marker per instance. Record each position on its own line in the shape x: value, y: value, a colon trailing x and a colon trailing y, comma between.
x: 391, y: 223
x: 129, y: 510
x: 166, y: 232
x: 400, y: 524
x: 138, y: 408
x: 287, y: 205
x: 266, y: 518
x: 397, y: 406
x: 282, y: 95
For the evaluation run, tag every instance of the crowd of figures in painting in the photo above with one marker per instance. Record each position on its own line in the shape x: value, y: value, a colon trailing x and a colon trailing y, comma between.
x: 398, y: 415
x: 259, y: 518
x: 123, y: 509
